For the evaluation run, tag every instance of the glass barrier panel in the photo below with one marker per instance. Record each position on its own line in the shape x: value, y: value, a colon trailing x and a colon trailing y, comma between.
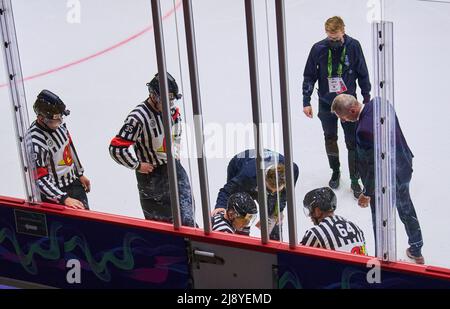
x: 420, y: 80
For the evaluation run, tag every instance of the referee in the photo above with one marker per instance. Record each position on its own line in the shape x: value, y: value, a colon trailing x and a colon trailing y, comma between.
x: 140, y: 145
x: 330, y: 231
x: 58, y: 171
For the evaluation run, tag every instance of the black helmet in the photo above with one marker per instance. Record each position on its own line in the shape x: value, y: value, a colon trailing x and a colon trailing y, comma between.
x: 324, y: 198
x: 49, y: 104
x: 153, y: 86
x: 242, y: 203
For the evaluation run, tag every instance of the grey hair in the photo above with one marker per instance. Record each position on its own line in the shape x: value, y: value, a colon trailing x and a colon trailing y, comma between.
x: 343, y: 103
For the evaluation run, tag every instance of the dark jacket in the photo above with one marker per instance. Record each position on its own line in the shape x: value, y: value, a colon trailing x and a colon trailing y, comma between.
x: 354, y: 68
x: 365, y: 150
x: 242, y: 178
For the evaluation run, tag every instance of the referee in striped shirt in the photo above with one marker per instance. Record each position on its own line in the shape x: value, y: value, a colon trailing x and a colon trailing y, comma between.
x: 140, y: 145
x: 330, y: 231
x: 57, y: 169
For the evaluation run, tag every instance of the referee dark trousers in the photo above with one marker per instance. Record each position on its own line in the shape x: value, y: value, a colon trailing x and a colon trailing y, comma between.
x: 74, y: 190
x: 154, y: 194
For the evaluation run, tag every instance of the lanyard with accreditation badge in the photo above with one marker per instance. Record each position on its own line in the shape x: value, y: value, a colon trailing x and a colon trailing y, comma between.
x: 336, y: 84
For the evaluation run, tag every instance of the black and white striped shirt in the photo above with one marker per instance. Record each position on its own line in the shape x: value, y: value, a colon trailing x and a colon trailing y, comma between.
x: 220, y: 224
x: 55, y: 158
x: 143, y: 129
x: 336, y: 233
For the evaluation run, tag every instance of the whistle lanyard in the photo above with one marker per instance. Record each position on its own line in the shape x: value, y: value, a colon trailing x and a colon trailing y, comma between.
x: 330, y: 63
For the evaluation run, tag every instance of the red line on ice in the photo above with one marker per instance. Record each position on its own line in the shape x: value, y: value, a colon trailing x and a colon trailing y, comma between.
x: 99, y: 53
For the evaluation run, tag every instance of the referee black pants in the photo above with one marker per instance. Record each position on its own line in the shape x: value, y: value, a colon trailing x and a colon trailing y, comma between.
x: 154, y: 195
x: 74, y: 190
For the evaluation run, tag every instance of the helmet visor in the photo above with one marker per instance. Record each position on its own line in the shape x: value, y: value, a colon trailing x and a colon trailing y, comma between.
x: 307, y: 211
x: 246, y: 220
x: 158, y: 100
x: 53, y: 121
x: 56, y: 117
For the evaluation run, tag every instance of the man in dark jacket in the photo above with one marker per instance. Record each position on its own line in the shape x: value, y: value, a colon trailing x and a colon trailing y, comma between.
x: 336, y: 63
x: 348, y: 109
x: 241, y: 177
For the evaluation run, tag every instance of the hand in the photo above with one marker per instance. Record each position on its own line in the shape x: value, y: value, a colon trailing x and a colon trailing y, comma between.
x: 363, y: 201
x: 366, y: 99
x: 145, y: 168
x: 307, y: 110
x: 73, y: 203
x: 216, y: 211
x: 86, y: 183
x: 280, y: 220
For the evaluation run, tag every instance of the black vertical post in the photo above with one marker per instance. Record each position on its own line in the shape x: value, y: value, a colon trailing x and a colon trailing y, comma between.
x: 163, y: 86
x: 285, y: 114
x: 256, y: 111
x: 198, y: 115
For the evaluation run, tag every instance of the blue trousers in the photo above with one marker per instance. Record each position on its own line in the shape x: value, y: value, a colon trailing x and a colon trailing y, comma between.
x: 154, y: 195
x: 407, y: 215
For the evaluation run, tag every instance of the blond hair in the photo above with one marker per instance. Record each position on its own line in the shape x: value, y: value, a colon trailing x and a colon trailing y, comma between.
x: 343, y: 103
x: 334, y: 24
x: 274, y: 174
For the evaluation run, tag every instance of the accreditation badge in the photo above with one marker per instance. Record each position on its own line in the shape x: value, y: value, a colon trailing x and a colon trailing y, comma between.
x: 336, y: 85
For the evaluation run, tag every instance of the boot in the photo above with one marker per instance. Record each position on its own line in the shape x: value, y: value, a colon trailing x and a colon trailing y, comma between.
x: 334, y: 181
x: 332, y: 149
x: 419, y: 259
x: 356, y: 188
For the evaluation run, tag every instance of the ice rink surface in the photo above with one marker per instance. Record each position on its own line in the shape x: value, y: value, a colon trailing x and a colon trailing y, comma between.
x: 99, y: 61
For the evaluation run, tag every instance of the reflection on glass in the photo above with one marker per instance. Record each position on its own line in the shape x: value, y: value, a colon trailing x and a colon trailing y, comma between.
x: 421, y: 106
